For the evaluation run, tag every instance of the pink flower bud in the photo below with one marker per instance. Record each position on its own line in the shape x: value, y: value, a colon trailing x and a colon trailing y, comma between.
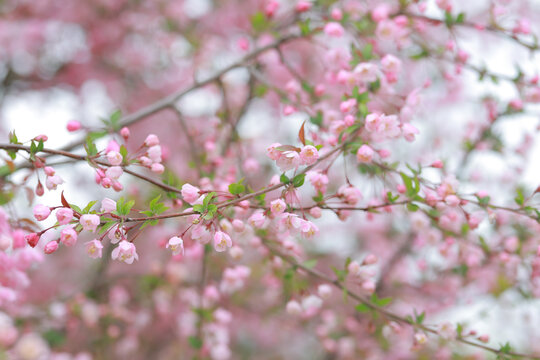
x: 49, y: 171
x: 64, y: 215
x: 117, y: 186
x: 303, y: 5
x: 68, y: 236
x: 125, y: 133
x: 114, y: 158
x: 50, y: 247
x: 32, y: 239
x: 238, y: 225
x: 316, y: 212
x: 73, y: 125
x: 334, y: 29
x: 41, y: 212
x: 190, y: 193
x: 370, y: 259
x: 365, y: 154
x: 157, y: 168
x: 151, y: 140
x: 39, y: 189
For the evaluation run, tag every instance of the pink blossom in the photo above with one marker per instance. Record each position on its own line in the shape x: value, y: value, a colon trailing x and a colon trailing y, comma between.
x: 157, y: 168
x: 126, y: 252
x: 49, y: 171
x: 176, y: 244
x: 318, y: 180
x: 351, y: 194
x: 324, y: 291
x: 222, y: 241
x: 114, y: 172
x: 53, y: 181
x: 114, y: 158
x: 108, y: 205
x: 124, y: 132
x: 293, y: 308
x: 154, y: 153
x: 257, y: 219
x: 391, y: 64
x: 64, y: 216
x: 272, y: 151
x: 190, y: 193
x: 409, y: 132
x: 50, y: 247
x: 309, y: 155
x: 73, y: 125
x: 151, y: 140
x: 89, y: 222
x: 289, y: 160
x: 365, y: 72
x: 68, y: 236
x: 41, y: 212
x: 277, y: 206
x: 94, y: 248
x: 334, y: 29
x: 364, y: 154
x: 303, y: 5
x: 316, y: 212
x: 32, y: 239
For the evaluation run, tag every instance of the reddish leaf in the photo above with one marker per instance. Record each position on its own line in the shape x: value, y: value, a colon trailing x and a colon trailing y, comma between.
x: 302, y: 135
x: 64, y: 201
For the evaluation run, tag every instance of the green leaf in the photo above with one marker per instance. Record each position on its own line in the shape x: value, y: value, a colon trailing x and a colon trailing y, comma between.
x: 298, y: 180
x: 284, y: 179
x: 123, y: 152
x: 460, y: 19
x: 13, y: 138
x: 520, y: 198
x: 237, y: 188
x: 367, y: 52
x: 259, y: 22
x: 317, y: 119
x: 448, y: 19
x: 304, y: 27
x: 115, y: 119
x: 87, y: 208
x: 310, y: 264
x: 198, y: 208
x: 363, y: 308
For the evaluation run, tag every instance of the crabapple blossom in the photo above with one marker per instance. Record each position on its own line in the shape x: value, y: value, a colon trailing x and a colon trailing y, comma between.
x: 277, y: 206
x: 309, y: 155
x: 64, y: 216
x: 222, y: 241
x: 68, y: 236
x: 94, y: 248
x: 41, y: 212
x: 126, y: 252
x: 377, y: 150
x: 190, y: 193
x: 176, y: 244
x: 89, y: 222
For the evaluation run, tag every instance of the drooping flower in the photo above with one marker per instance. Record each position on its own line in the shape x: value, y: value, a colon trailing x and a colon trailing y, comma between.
x: 190, y: 193
x: 41, y: 212
x: 68, y: 236
x: 222, y: 241
x: 94, y: 248
x: 89, y: 222
x: 176, y: 244
x: 64, y: 215
x: 126, y: 252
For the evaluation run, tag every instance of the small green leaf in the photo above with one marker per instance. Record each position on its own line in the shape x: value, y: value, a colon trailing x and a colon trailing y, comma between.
x: 284, y: 179
x: 298, y: 180
x: 310, y: 264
